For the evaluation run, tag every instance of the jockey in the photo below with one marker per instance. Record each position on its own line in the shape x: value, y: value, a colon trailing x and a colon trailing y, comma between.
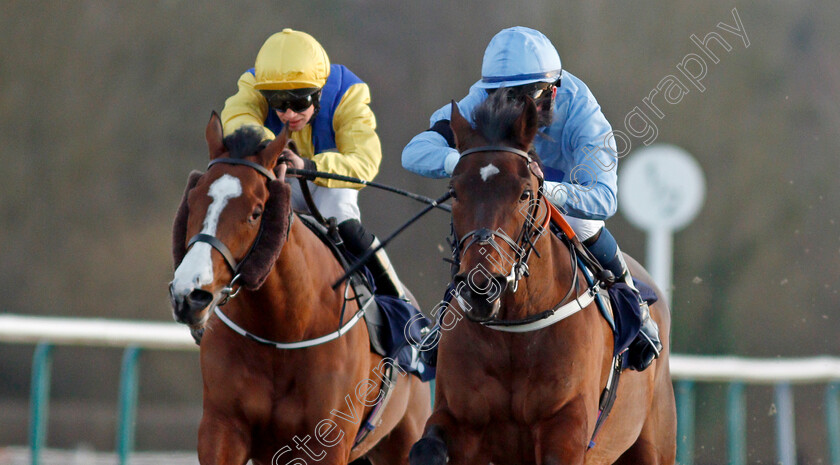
x: 325, y: 107
x: 576, y: 148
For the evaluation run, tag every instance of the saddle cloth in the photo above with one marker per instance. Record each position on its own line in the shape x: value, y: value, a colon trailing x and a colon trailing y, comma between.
x: 623, y: 314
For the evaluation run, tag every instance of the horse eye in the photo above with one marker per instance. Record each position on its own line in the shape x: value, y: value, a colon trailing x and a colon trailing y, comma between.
x: 526, y: 195
x: 255, y: 215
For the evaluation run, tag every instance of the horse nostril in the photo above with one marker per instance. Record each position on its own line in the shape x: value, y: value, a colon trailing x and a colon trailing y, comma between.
x: 198, y: 299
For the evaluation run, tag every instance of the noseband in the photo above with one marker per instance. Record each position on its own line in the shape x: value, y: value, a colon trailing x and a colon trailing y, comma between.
x: 524, y: 244
x: 214, y: 242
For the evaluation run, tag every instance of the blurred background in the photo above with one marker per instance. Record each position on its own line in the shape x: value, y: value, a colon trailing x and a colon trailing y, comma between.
x: 102, y: 113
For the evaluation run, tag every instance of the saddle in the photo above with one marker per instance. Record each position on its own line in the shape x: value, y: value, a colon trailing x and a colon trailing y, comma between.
x: 390, y: 321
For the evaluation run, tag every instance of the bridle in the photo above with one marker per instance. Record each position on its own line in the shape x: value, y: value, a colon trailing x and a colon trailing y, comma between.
x: 523, y: 246
x: 228, y: 292
x: 524, y: 243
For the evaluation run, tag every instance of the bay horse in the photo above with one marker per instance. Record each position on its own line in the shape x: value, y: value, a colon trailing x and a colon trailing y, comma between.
x: 530, y: 397
x: 264, y: 399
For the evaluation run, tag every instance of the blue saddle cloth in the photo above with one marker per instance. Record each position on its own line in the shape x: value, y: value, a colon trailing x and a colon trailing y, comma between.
x: 404, y: 323
x: 394, y: 326
x: 626, y: 312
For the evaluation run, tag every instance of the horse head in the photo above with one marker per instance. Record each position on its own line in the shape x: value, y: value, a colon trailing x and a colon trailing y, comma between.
x: 496, y: 190
x: 231, y: 225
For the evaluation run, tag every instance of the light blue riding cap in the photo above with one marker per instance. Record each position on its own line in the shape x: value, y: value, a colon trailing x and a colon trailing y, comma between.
x: 516, y: 56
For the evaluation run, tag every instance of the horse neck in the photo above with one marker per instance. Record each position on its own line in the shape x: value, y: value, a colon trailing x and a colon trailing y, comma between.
x: 296, y: 300
x: 548, y: 282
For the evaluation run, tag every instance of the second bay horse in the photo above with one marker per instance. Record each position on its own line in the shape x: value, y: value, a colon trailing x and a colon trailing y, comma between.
x: 514, y: 398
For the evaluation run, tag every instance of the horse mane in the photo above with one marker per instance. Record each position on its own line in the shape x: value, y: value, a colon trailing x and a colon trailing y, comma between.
x: 245, y: 141
x: 495, y: 119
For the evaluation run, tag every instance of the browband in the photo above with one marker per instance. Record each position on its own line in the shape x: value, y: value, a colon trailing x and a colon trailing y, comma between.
x: 497, y: 148
x: 236, y: 161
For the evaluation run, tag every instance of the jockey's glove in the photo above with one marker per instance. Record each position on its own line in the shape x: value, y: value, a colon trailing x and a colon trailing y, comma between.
x: 450, y: 161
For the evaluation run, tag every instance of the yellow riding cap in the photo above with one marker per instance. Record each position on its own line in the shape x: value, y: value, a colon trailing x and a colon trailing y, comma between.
x: 291, y: 60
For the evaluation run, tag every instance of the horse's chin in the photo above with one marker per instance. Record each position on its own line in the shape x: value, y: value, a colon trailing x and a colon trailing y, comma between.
x: 197, y: 332
x: 197, y: 329
x: 482, y: 311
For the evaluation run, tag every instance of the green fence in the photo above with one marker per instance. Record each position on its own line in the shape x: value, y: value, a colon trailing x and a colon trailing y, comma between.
x: 687, y: 371
x: 736, y: 373
x: 48, y: 333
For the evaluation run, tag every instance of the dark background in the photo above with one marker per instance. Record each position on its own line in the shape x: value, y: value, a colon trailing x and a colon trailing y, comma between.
x: 102, y: 114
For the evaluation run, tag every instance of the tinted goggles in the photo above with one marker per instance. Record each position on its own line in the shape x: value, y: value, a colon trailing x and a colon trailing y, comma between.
x: 536, y: 91
x: 295, y: 100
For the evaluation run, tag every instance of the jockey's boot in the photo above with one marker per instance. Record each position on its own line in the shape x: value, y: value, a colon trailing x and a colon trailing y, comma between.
x: 647, y: 345
x: 385, y: 277
x: 358, y: 241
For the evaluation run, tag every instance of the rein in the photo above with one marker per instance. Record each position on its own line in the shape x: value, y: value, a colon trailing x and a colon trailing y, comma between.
x: 338, y: 177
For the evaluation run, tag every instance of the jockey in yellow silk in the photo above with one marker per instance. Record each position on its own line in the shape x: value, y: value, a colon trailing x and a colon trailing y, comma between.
x: 293, y: 86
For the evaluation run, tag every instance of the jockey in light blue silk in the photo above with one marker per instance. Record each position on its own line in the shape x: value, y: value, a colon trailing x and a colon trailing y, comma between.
x: 576, y: 145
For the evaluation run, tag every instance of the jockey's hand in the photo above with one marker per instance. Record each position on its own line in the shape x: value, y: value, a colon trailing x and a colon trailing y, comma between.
x: 291, y: 159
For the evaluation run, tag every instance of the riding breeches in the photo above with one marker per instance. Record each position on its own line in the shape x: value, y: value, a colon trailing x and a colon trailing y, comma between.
x: 584, y: 229
x: 335, y: 202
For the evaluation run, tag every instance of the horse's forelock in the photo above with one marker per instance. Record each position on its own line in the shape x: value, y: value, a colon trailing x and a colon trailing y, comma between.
x: 495, y: 118
x: 245, y: 141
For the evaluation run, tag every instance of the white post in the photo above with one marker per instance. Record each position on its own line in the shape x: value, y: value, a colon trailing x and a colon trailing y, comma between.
x: 662, y: 189
x: 660, y: 257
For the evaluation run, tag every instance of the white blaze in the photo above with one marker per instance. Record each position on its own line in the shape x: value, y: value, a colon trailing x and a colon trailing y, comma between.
x: 488, y: 171
x: 196, y: 269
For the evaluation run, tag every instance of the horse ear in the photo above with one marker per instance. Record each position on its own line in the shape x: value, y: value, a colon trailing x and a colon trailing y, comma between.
x: 526, y: 124
x: 268, y: 155
x: 215, y: 136
x: 460, y: 126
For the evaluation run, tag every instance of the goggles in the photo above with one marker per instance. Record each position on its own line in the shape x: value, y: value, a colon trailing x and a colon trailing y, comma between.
x: 297, y: 100
x: 536, y: 91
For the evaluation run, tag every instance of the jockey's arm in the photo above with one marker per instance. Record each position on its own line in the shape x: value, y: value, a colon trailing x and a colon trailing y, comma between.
x: 246, y: 107
x: 359, y: 152
x: 591, y: 181
x: 432, y: 153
